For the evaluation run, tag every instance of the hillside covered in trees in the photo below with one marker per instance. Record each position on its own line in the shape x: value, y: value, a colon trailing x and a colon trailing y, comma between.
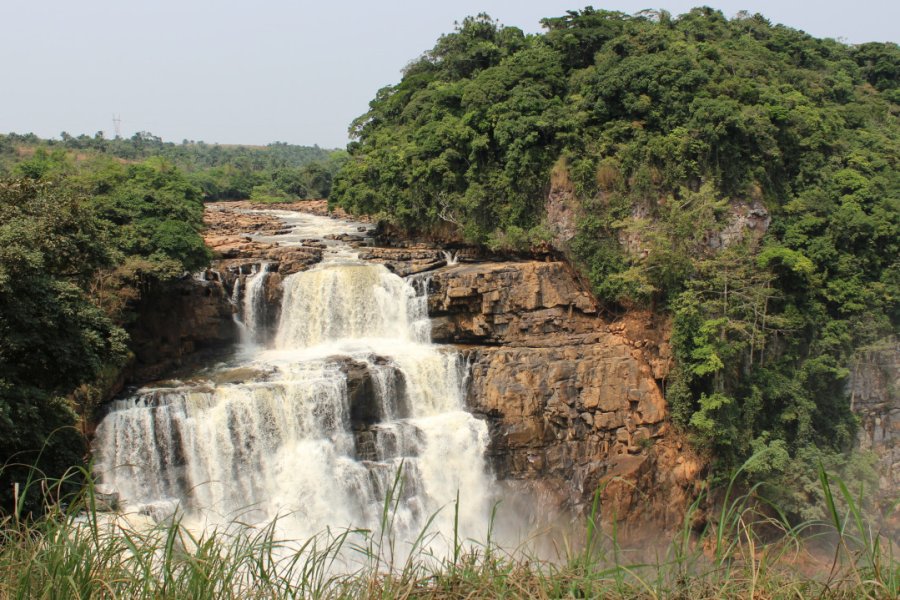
x: 660, y: 128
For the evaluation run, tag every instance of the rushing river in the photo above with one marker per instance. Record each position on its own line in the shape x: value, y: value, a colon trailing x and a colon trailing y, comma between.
x: 293, y: 440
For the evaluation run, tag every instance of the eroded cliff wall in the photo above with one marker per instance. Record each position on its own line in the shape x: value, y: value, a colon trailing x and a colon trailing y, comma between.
x: 875, y: 398
x: 176, y: 325
x: 574, y: 400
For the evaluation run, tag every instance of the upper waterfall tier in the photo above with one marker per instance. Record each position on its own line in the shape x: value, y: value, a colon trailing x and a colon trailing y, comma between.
x: 338, y: 301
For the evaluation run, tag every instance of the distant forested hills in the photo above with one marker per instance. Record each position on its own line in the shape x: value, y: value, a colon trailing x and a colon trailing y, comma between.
x: 661, y: 133
x: 277, y: 171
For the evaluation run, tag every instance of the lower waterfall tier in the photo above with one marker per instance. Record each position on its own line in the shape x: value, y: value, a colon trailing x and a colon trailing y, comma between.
x: 317, y: 443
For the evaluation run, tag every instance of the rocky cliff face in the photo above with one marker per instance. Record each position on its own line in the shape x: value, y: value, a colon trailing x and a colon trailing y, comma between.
x: 875, y: 397
x: 177, y: 324
x: 574, y: 401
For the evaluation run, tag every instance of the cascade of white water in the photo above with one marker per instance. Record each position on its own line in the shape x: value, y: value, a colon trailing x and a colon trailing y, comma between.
x: 353, y: 393
x: 236, y: 292
x: 348, y: 301
x: 254, y: 302
x: 235, y: 300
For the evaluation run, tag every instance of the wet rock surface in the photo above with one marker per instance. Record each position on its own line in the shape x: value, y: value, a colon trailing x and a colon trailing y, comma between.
x: 179, y: 326
x: 366, y: 398
x: 232, y: 229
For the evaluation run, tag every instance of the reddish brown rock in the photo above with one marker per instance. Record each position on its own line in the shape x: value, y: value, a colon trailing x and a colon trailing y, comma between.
x: 573, y: 400
x: 506, y: 302
x: 406, y: 261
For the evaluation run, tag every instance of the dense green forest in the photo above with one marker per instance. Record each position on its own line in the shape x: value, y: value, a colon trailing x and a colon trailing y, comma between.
x: 79, y: 242
x: 274, y: 172
x: 661, y: 128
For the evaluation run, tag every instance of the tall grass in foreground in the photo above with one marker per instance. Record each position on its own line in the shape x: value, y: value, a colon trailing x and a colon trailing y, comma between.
x: 75, y: 551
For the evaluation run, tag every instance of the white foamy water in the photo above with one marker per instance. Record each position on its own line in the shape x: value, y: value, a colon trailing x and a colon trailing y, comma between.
x: 349, y: 301
x: 301, y: 439
x: 253, y: 303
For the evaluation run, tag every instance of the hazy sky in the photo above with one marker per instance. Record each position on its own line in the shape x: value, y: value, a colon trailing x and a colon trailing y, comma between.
x: 259, y: 71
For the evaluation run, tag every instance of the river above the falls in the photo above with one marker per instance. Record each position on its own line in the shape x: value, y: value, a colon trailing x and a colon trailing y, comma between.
x: 345, y: 404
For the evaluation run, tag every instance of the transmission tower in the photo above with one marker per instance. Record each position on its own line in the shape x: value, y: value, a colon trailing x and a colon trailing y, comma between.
x: 117, y: 125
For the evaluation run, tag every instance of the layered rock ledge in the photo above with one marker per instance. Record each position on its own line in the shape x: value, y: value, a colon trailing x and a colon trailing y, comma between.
x: 573, y: 400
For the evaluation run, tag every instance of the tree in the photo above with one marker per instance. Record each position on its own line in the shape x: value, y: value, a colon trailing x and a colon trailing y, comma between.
x: 52, y: 338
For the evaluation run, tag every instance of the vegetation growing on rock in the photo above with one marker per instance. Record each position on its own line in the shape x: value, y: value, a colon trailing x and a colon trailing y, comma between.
x: 666, y: 131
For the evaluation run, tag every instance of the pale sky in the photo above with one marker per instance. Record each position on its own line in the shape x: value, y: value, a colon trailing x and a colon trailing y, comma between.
x: 259, y: 71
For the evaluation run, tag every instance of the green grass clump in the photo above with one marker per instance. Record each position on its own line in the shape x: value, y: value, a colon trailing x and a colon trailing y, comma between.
x: 747, y: 550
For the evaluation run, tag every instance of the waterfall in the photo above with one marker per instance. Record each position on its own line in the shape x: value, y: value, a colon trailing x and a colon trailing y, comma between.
x: 349, y: 396
x: 347, y: 302
x: 254, y: 303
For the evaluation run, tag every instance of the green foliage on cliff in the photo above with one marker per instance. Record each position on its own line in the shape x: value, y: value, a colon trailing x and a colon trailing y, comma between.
x: 78, y: 242
x: 667, y: 132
